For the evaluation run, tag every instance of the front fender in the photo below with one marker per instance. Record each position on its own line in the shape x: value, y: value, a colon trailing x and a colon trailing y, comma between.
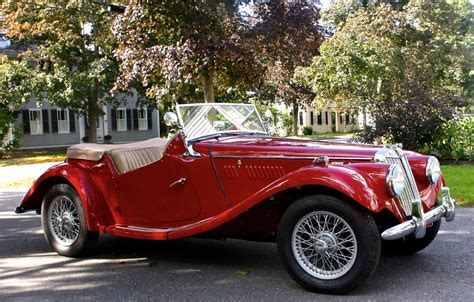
x: 79, y: 178
x: 363, y: 183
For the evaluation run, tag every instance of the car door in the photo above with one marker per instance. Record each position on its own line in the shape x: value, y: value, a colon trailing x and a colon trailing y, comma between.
x: 158, y: 194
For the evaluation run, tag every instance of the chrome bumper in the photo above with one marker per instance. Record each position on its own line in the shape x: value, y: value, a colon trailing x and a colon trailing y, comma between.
x: 417, y: 224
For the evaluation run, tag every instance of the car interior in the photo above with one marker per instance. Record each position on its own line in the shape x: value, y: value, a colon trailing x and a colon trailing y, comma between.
x: 126, y: 157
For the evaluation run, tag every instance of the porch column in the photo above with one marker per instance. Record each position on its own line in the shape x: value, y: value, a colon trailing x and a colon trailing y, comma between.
x: 338, y: 121
x: 82, y: 129
x: 106, y: 120
x: 329, y: 121
x: 158, y: 122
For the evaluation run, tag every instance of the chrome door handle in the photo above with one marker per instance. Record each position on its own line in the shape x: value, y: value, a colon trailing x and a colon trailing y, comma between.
x: 180, y: 181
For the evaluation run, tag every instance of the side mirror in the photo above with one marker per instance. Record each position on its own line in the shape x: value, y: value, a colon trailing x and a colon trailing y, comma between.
x: 171, y: 119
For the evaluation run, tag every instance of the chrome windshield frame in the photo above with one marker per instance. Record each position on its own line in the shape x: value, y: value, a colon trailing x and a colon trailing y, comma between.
x: 189, y: 141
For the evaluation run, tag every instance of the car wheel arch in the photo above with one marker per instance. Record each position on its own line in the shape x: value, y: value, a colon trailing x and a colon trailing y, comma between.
x: 292, y: 194
x: 34, y: 198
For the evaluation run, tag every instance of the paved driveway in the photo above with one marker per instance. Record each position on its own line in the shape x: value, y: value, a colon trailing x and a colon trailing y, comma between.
x: 210, y: 270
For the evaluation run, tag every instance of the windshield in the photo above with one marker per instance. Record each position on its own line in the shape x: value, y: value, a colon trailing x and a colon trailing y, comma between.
x: 204, y: 119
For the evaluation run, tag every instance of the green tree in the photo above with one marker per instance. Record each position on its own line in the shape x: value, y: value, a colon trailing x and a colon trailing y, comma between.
x: 15, y: 88
x: 71, y: 45
x: 339, y: 10
x: 406, y: 67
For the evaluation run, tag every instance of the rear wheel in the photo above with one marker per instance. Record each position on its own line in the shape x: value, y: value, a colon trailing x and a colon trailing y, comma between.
x: 64, y: 223
x: 328, y: 245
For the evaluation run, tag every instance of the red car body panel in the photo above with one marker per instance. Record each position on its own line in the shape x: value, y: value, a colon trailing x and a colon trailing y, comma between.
x: 231, y: 177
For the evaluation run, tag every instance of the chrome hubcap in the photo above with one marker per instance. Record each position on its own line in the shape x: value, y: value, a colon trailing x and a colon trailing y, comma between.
x: 324, y: 245
x: 63, y: 220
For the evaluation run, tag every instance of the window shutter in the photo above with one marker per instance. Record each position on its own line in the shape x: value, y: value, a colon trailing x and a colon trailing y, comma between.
x: 45, y: 121
x: 149, y: 118
x: 129, y: 119
x: 26, y: 121
x: 135, y: 119
x: 113, y: 113
x: 54, y: 121
x: 327, y: 117
x: 72, y: 121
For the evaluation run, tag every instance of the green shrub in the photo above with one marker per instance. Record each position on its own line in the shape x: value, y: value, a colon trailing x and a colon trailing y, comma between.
x: 307, y: 130
x: 454, y: 140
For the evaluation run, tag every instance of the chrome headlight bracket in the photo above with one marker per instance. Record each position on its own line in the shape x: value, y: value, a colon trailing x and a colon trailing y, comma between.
x: 433, y: 170
x: 395, y: 180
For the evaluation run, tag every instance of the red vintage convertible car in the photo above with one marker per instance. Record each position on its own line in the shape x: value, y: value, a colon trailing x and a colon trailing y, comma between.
x: 329, y: 206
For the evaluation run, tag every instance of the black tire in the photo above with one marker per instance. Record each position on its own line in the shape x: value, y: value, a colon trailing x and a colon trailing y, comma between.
x: 410, y: 245
x: 365, y: 231
x: 83, y: 242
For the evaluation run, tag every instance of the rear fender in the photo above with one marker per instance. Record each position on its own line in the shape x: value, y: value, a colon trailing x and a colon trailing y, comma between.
x: 79, y: 178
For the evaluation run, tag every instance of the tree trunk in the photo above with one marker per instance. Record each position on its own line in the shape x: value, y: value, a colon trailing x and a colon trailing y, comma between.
x: 207, y: 79
x: 295, y: 118
x: 92, y: 118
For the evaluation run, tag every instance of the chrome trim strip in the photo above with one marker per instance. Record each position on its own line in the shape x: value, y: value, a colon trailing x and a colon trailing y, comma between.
x: 292, y: 157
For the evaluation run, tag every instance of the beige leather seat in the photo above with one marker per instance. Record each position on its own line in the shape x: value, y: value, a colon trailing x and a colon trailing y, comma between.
x: 126, y: 157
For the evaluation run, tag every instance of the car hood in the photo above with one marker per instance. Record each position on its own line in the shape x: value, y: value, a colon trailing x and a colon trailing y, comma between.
x: 270, y: 146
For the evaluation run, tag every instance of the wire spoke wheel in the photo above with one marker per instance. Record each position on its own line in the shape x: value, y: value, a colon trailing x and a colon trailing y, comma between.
x: 63, y: 220
x: 324, y: 245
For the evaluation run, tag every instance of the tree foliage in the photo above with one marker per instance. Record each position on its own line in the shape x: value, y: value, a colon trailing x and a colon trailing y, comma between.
x: 15, y: 88
x: 186, y: 50
x: 406, y: 66
x: 71, y: 46
x: 287, y: 36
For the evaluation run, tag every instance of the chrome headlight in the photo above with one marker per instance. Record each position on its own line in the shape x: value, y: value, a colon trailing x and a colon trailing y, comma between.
x: 395, y: 180
x: 433, y: 169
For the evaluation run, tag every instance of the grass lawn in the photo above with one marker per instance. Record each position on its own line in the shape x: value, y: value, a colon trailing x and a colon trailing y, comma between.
x: 460, y: 179
x: 25, y: 157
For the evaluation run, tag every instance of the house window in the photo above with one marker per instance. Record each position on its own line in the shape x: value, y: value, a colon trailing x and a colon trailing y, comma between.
x: 327, y: 117
x: 63, y: 121
x: 348, y: 119
x: 36, y: 122
x: 320, y: 118
x: 301, y: 118
x: 121, y: 119
x: 142, y: 119
x: 312, y: 118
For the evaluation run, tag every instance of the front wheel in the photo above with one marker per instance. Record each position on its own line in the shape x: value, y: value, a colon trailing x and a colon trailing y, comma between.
x: 64, y: 222
x: 328, y: 245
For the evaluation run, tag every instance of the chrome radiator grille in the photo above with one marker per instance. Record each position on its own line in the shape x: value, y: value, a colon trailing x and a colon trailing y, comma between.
x: 410, y: 193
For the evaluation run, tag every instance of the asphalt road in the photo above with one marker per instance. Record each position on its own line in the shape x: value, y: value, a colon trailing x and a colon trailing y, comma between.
x: 210, y: 270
